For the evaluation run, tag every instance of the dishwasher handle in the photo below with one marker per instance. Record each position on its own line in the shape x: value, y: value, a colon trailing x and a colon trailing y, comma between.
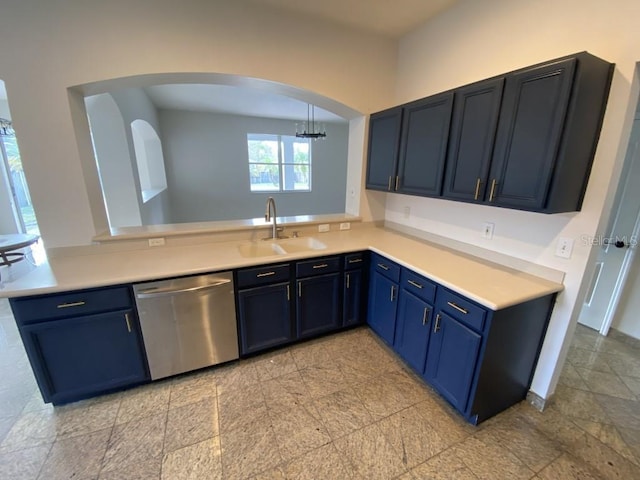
x: 167, y: 291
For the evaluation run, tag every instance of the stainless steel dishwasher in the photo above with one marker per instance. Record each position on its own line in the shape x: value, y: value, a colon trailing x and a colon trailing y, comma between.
x: 187, y: 323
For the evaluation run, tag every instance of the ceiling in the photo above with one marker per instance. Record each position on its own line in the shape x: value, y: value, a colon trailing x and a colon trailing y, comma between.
x: 392, y: 18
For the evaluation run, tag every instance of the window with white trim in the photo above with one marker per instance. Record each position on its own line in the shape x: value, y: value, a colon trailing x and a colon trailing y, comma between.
x: 279, y: 163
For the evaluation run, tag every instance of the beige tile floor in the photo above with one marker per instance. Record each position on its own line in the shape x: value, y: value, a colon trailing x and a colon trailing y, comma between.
x: 336, y: 408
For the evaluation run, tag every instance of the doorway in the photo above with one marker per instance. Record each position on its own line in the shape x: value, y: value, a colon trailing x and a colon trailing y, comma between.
x: 610, y: 288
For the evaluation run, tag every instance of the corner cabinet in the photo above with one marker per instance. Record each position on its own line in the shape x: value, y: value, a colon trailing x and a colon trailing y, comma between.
x: 524, y: 140
x: 83, y: 343
x: 481, y: 361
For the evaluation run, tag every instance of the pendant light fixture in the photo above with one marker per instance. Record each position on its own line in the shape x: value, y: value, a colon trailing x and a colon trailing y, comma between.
x: 311, y: 129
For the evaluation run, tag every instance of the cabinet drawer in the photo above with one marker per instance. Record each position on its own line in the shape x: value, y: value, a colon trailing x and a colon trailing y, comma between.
x: 318, y: 266
x: 354, y: 260
x: 386, y: 267
x: 70, y: 304
x: 250, y: 277
x: 461, y: 309
x: 418, y: 285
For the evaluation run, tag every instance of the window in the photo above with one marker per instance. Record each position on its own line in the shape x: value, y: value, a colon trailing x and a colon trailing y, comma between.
x: 279, y: 163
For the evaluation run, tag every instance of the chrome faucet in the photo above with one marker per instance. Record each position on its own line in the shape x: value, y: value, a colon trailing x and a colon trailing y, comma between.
x: 271, y: 203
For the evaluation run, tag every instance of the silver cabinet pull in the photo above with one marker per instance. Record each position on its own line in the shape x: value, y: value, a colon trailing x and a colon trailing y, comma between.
x: 322, y: 265
x: 383, y: 266
x: 265, y: 274
x: 393, y: 291
x: 71, y: 304
x: 288, y: 292
x: 460, y: 309
x: 436, y: 327
x: 299, y: 289
x: 348, y: 280
x: 355, y: 260
x: 126, y: 319
x: 397, y: 180
x: 475, y: 197
x: 415, y: 284
x: 425, y: 315
x: 390, y: 177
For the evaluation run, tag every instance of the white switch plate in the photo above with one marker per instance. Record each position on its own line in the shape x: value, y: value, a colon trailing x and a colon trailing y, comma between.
x: 487, y: 230
x: 324, y: 227
x: 564, y: 247
x: 345, y: 226
x: 156, y: 242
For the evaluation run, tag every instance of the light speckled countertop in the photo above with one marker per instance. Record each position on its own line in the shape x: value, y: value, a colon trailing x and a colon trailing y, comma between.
x: 489, y: 284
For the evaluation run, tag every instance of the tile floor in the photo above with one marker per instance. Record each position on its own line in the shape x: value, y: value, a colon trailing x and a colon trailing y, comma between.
x: 336, y: 408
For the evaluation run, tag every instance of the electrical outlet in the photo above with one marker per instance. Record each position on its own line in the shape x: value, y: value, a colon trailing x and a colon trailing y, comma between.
x: 564, y: 247
x: 487, y: 230
x: 156, y: 242
x: 323, y: 227
x: 345, y: 226
x: 407, y: 212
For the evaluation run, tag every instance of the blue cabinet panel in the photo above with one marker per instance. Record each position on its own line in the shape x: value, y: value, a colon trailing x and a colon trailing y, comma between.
x: 383, y: 304
x: 412, y: 330
x: 353, y: 311
x: 79, y: 357
x: 452, y: 359
x: 265, y: 317
x: 318, y: 304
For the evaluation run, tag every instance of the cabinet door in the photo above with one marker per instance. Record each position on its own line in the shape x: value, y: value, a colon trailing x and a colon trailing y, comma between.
x: 473, y: 131
x: 318, y: 306
x: 413, y: 327
x: 529, y: 134
x: 425, y: 133
x: 352, y: 313
x: 383, y: 305
x: 452, y: 358
x: 265, y: 317
x: 79, y: 357
x: 384, y: 139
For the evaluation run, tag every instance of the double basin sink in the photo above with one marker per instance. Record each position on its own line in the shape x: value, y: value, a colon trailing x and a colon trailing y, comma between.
x: 266, y: 248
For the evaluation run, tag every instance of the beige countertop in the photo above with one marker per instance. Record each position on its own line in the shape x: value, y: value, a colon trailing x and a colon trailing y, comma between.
x: 489, y: 284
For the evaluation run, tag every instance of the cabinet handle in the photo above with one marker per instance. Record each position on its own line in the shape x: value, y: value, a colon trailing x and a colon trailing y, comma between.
x: 288, y: 292
x: 300, y: 289
x: 347, y: 281
x: 383, y: 266
x: 355, y: 260
x: 425, y: 315
x: 126, y: 318
x: 265, y: 274
x: 478, y: 182
x: 71, y: 304
x: 322, y: 265
x: 436, y: 328
x: 460, y: 309
x: 390, y: 177
x: 393, y: 291
x: 397, y: 180
x: 415, y: 284
x: 493, y: 189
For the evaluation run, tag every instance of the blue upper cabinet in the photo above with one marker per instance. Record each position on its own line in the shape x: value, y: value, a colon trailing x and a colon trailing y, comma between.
x: 473, y: 130
x: 423, y: 149
x: 384, y: 141
x: 523, y: 140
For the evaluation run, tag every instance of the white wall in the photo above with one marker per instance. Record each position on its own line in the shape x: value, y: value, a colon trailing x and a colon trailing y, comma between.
x: 57, y: 44
x: 208, y: 173
x: 475, y: 40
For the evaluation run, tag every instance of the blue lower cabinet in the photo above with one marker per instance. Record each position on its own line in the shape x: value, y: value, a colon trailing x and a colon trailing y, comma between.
x: 452, y: 359
x: 383, y: 306
x: 80, y: 357
x: 318, y: 306
x: 413, y: 328
x: 353, y: 291
x: 265, y: 317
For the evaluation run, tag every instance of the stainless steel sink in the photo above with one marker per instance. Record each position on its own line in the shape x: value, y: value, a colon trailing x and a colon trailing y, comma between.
x: 280, y: 247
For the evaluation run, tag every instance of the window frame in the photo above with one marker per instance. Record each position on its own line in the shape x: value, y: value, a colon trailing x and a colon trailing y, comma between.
x: 283, y: 163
